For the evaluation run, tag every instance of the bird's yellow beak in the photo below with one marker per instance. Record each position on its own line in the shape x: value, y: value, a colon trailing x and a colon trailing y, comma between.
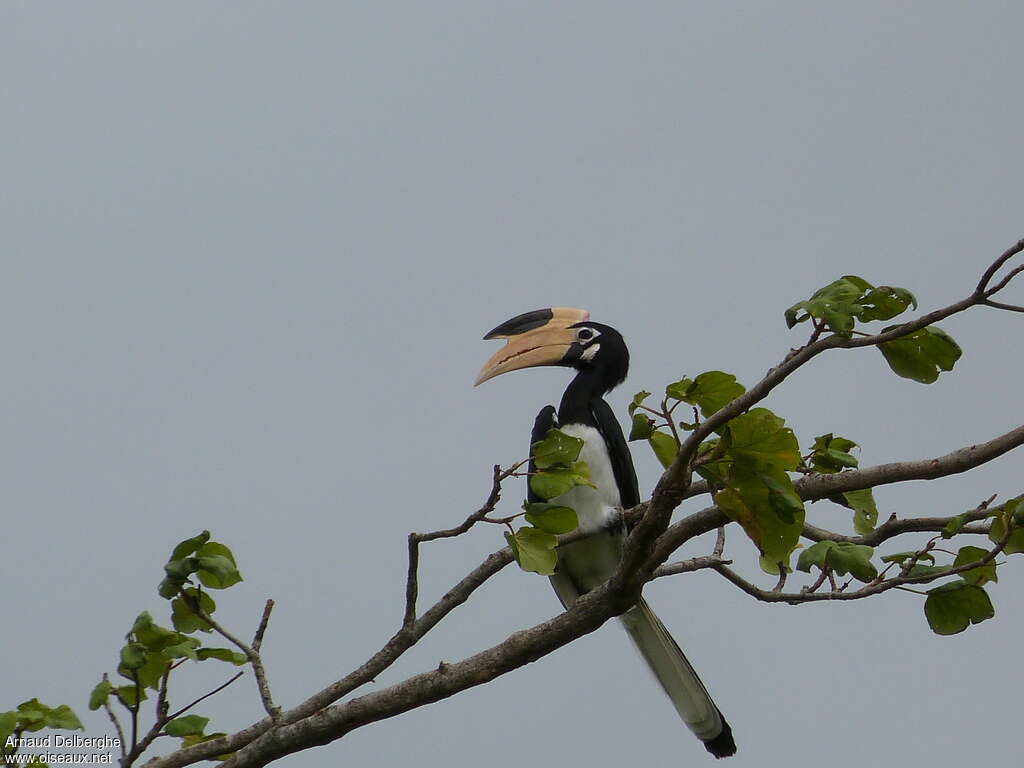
x: 541, y: 337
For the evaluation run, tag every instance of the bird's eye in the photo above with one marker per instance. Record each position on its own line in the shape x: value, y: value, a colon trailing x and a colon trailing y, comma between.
x: 585, y: 334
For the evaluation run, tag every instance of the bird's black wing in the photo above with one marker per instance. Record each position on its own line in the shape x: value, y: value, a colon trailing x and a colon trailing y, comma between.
x: 618, y: 452
x: 545, y: 420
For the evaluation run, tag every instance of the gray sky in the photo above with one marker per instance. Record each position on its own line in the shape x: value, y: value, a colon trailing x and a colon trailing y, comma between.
x: 252, y: 248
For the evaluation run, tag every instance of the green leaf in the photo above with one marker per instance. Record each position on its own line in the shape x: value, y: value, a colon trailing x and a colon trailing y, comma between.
x: 759, y: 435
x: 714, y: 471
x: 513, y: 545
x: 133, y: 655
x: 865, y: 513
x: 189, y: 546
x: 638, y: 400
x: 665, y: 448
x: 922, y: 354
x: 179, y: 570
x: 32, y: 715
x: 710, y: 391
x: 152, y: 636
x: 782, y: 497
x: 169, y: 588
x: 832, y: 454
x: 854, y: 559
x: 836, y: 305
x: 554, y: 481
x: 885, y: 302
x: 222, y: 654
x: 643, y: 427
x: 99, y: 694
x: 534, y: 550
x: 217, y: 572
x: 186, y: 649
x: 980, y: 575
x: 747, y: 501
x: 901, y: 557
x: 217, y: 567
x: 1015, y: 508
x: 814, y: 555
x: 64, y: 718
x: 126, y: 693
x: 679, y: 390
x: 189, y: 725
x: 8, y: 724
x: 952, y: 528
x: 557, y: 448
x: 551, y: 518
x: 1016, y: 541
x: 150, y: 674
x: 184, y: 618
x: 953, y: 607
x: 842, y: 556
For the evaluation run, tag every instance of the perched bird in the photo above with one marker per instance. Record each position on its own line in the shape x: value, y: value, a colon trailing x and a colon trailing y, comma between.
x: 562, y: 336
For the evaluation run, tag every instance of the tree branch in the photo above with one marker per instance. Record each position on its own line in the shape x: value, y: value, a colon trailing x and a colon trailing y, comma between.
x: 411, y: 584
x: 820, y: 486
x: 868, y: 590
x: 250, y: 653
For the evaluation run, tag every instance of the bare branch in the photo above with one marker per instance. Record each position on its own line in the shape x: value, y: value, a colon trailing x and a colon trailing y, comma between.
x: 989, y: 273
x: 1001, y: 305
x: 257, y: 639
x: 688, y: 566
x: 117, y: 723
x: 412, y: 584
x: 819, y: 486
x: 250, y: 653
x: 893, y: 527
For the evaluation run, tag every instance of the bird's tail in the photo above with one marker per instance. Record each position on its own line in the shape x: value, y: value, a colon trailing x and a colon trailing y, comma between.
x: 677, y: 678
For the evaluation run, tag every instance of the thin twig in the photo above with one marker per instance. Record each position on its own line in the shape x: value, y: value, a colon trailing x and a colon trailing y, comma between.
x: 257, y: 640
x: 1001, y: 305
x: 1008, y: 254
x: 415, y: 539
x: 117, y: 725
x: 161, y: 720
x: 218, y: 689
x: 874, y: 588
x: 254, y: 657
x: 688, y: 566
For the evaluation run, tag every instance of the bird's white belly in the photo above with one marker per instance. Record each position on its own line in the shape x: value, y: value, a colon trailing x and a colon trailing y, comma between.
x: 590, y: 562
x: 594, y: 506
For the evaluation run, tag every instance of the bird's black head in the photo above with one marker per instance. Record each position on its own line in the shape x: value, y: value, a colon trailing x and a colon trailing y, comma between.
x: 599, y: 351
x: 560, y: 336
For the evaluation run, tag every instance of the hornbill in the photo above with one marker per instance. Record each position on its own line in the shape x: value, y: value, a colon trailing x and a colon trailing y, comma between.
x: 563, y: 336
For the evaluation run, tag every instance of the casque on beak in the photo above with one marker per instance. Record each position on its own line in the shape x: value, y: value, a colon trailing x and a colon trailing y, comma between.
x: 541, y: 337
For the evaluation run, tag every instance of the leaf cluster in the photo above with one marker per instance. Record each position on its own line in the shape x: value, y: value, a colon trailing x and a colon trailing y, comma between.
x: 151, y: 651
x: 747, y: 463
x: 29, y: 717
x: 919, y: 355
x: 211, y: 562
x: 850, y: 298
x: 556, y: 470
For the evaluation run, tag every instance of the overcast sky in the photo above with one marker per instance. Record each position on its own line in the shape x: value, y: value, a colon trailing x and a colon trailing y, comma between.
x: 251, y: 249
